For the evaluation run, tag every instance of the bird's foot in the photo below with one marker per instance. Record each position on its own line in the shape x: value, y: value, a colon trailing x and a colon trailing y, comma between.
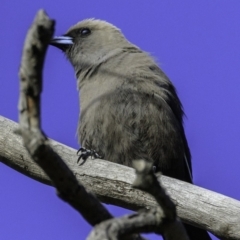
x: 84, y: 154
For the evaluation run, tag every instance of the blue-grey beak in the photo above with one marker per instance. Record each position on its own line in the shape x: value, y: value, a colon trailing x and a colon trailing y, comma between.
x: 62, y: 42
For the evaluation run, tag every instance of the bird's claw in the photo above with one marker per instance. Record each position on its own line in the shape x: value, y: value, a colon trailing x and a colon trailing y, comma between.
x: 85, y: 153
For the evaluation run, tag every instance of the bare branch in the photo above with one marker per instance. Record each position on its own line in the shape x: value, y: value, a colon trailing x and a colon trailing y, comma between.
x: 161, y: 220
x: 144, y: 221
x: 69, y: 188
x: 148, y: 182
x: 30, y: 72
x: 112, y: 183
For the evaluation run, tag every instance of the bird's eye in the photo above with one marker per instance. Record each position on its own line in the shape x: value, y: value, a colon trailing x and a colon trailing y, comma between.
x: 85, y: 32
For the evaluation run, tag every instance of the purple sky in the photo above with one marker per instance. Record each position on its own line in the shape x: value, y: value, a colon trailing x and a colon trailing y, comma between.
x: 197, y: 44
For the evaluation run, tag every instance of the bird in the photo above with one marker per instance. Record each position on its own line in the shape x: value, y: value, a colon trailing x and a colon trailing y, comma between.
x: 129, y: 108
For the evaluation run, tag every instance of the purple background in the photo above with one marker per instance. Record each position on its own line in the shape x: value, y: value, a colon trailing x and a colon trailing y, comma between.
x: 197, y: 44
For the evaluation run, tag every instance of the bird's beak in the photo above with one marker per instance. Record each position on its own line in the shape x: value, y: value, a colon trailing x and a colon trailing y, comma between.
x: 62, y: 42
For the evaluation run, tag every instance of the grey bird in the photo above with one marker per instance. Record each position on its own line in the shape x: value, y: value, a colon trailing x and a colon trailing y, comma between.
x: 129, y: 108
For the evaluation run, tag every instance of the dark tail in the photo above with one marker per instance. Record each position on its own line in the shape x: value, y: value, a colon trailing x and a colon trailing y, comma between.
x: 195, y: 233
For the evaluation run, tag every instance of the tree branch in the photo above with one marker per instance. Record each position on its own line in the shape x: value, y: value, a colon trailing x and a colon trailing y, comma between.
x: 69, y: 188
x: 112, y: 183
x: 161, y: 219
x: 147, y: 181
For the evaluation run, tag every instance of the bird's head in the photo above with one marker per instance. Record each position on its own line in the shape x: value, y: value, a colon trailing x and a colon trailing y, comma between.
x: 89, y: 41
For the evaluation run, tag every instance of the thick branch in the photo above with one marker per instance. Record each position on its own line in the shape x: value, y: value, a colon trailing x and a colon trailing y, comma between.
x: 112, y: 184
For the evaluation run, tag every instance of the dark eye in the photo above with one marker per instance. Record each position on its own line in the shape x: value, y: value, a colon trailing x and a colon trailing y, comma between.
x: 85, y: 32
